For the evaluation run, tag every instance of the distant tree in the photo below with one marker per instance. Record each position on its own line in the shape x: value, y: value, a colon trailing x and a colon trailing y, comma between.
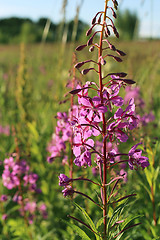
x: 16, y: 30
x: 80, y: 29
x: 28, y: 33
x: 127, y: 24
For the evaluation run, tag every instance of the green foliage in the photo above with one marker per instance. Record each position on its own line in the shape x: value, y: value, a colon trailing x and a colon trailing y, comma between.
x: 78, y: 230
x: 45, y: 80
x: 17, y: 30
x: 127, y: 24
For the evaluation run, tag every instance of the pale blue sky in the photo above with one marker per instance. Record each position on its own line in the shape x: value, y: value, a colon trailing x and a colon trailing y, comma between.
x: 147, y: 10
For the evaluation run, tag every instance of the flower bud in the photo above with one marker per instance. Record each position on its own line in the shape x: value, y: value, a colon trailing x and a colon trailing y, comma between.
x: 91, y: 49
x: 89, y: 30
x: 129, y: 81
x: 78, y: 65
x: 79, y: 48
x: 102, y: 61
x: 117, y: 59
x: 90, y: 41
x: 94, y: 20
x: 107, y: 32
x: 75, y: 91
x: 120, y: 52
x: 99, y: 19
x: 85, y: 71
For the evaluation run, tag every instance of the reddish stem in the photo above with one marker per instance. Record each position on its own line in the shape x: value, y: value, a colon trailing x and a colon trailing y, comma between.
x: 104, y: 127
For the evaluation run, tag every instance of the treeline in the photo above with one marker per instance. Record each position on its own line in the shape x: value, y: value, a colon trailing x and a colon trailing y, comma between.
x: 15, y: 30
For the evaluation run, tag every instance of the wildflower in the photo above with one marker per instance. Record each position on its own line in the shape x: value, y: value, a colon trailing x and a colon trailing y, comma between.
x: 63, y: 180
x: 135, y: 158
x: 68, y: 191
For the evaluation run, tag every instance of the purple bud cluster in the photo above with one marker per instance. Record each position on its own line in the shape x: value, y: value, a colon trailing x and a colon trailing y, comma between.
x: 17, y: 175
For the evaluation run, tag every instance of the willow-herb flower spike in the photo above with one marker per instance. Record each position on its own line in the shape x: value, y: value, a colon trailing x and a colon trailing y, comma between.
x: 100, y: 112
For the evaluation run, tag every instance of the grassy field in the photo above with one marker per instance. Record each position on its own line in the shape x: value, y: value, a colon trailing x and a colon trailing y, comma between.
x: 32, y: 83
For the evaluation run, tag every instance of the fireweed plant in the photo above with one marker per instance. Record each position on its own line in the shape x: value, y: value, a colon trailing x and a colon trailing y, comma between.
x: 63, y: 134
x: 22, y: 187
x: 102, y: 116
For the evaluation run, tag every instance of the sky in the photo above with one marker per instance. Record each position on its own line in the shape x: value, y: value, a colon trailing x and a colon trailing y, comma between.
x: 148, y: 11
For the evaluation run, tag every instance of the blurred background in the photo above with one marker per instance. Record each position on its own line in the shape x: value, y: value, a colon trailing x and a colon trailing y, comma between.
x: 34, y: 21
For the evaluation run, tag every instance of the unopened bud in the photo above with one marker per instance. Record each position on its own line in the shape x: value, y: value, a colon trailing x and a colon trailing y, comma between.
x: 117, y: 59
x: 102, y: 61
x: 90, y: 41
x: 112, y: 47
x: 85, y: 71
x: 75, y: 91
x: 99, y: 19
x: 107, y: 32
x: 78, y: 65
x: 89, y: 31
x: 79, y: 48
x: 129, y: 81
x: 94, y: 20
x: 121, y: 74
x: 91, y: 49
x: 120, y: 52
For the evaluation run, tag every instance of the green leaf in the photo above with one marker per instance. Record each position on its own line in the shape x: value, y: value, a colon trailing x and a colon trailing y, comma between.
x: 148, y: 191
x: 99, y: 223
x: 156, y: 174
x: 45, y: 237
x: 148, y: 176
x: 78, y: 230
x: 117, y: 212
x: 89, y: 220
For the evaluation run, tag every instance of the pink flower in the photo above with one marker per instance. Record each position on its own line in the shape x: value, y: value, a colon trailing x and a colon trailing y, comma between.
x: 63, y: 180
x: 135, y: 158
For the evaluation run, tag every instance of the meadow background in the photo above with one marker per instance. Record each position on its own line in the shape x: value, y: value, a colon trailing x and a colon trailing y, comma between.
x: 33, y: 78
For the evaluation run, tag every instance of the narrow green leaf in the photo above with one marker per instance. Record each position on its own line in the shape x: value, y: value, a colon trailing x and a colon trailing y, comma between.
x: 78, y: 230
x: 156, y: 174
x: 148, y: 176
x: 45, y: 237
x: 129, y: 220
x: 148, y: 191
x: 99, y: 223
x: 89, y: 220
